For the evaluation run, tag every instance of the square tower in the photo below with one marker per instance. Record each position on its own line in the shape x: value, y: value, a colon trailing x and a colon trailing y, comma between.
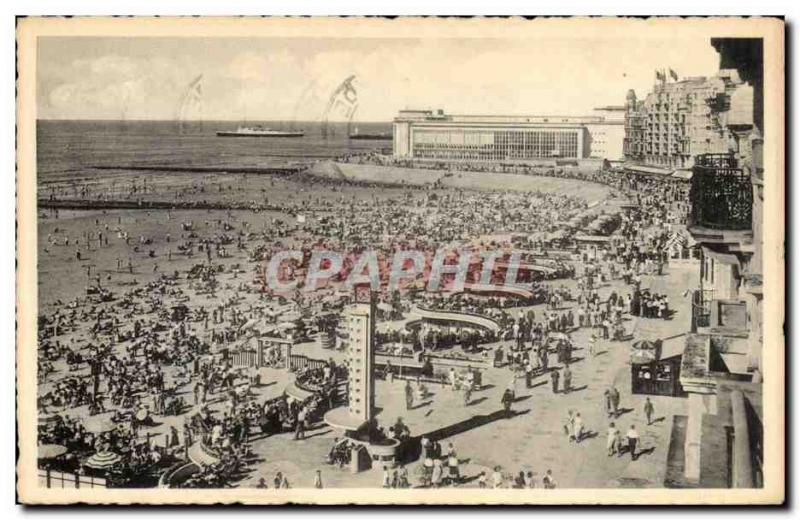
x: 360, y: 323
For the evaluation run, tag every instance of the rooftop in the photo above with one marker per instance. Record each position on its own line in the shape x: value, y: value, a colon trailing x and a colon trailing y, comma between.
x: 439, y: 116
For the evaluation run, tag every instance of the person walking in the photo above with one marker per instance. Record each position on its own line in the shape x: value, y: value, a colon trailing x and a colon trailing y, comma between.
x: 567, y: 379
x: 318, y: 480
x: 554, y: 376
x: 409, y: 395
x: 612, y: 439
x: 615, y: 401
x: 648, y: 410
x: 300, y: 428
x: 633, y: 439
x: 436, y: 476
x: 578, y: 427
x: 506, y: 401
x: 569, y: 426
x: 467, y: 394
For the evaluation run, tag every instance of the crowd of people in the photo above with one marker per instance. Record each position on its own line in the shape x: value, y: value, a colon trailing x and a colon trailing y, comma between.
x: 150, y: 330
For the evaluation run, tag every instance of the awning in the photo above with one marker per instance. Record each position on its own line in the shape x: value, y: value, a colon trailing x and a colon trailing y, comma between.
x: 725, y: 258
x: 683, y: 174
x: 649, y: 170
x: 592, y: 238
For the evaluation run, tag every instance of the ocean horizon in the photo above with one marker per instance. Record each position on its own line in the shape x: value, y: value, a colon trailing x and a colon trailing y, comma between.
x: 68, y: 149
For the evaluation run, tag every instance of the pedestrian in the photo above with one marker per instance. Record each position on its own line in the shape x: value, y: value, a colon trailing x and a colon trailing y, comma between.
x: 387, y: 477
x: 436, y: 476
x: 567, y: 379
x: 548, y: 482
x: 612, y: 440
x: 530, y: 483
x: 497, y: 478
x: 578, y: 427
x: 300, y: 428
x: 615, y: 400
x: 633, y: 438
x: 318, y: 480
x: 506, y: 401
x: 554, y: 376
x: 569, y: 426
x: 409, y: 395
x: 482, y: 480
x: 648, y: 410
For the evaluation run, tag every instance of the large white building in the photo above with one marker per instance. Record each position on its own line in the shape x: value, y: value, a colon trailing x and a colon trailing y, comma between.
x: 434, y: 135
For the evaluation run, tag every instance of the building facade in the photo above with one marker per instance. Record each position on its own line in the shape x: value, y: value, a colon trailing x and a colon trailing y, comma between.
x: 680, y: 120
x: 429, y: 135
x: 726, y: 340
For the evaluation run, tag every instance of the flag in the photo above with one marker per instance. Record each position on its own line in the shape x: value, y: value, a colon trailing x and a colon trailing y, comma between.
x: 673, y: 75
x: 660, y: 76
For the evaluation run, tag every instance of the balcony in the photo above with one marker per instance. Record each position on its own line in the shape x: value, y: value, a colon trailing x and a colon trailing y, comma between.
x: 724, y: 317
x: 721, y: 194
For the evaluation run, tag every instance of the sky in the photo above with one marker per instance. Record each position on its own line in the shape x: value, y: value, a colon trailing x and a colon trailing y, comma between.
x: 294, y: 78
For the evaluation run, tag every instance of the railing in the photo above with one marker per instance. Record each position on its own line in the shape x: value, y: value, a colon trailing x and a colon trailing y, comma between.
x: 701, y: 308
x: 57, y: 479
x: 721, y: 193
x: 299, y: 362
x: 716, y: 160
x: 245, y: 358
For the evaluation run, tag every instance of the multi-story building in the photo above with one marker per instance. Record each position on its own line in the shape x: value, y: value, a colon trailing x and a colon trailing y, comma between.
x: 680, y: 120
x: 721, y: 368
x: 428, y: 135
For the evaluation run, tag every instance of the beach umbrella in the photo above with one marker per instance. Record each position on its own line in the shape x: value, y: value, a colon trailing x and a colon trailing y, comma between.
x: 103, y: 460
x: 51, y: 451
x: 286, y: 325
x: 250, y: 324
x: 98, y: 424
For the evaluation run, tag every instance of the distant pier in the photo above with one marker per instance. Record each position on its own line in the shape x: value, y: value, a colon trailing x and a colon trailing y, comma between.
x: 285, y: 170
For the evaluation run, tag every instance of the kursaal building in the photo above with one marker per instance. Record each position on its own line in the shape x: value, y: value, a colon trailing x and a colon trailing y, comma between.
x: 434, y: 135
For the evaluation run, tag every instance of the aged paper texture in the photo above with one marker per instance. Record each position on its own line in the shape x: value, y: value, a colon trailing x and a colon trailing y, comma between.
x: 409, y: 261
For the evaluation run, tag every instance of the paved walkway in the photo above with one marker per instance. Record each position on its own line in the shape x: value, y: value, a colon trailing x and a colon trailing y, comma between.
x: 534, y: 438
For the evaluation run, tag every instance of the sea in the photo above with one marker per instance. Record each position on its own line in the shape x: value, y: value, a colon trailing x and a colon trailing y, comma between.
x: 73, y: 150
